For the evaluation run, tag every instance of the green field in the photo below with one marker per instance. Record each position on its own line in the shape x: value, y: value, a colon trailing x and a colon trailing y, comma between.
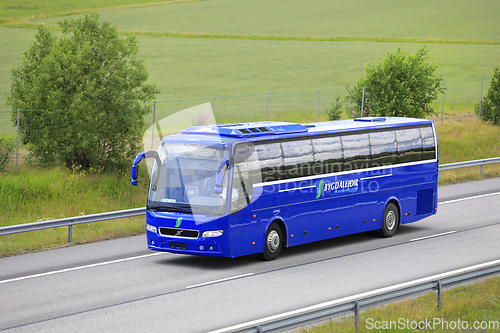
x: 292, y: 49
x: 424, y: 19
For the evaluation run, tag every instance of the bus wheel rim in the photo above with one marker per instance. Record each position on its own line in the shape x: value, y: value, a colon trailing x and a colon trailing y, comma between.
x: 390, y: 220
x: 273, y: 241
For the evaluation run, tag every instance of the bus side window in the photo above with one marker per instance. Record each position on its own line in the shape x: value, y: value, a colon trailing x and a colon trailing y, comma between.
x: 356, y: 151
x: 384, y: 148
x: 298, y: 158
x: 328, y: 155
x: 271, y: 161
x: 409, y: 145
x: 428, y: 143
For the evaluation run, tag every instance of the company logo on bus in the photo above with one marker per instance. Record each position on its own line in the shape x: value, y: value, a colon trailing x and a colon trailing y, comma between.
x: 337, y: 187
x: 178, y: 222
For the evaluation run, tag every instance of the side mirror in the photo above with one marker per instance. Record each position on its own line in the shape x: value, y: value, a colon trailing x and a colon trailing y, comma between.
x: 219, y: 176
x: 139, y: 158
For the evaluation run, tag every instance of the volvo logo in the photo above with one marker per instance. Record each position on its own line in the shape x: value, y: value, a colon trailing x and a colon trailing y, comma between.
x: 178, y: 233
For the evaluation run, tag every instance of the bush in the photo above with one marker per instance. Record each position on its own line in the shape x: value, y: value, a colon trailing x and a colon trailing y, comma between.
x: 335, y: 109
x: 6, y: 150
x: 88, y: 90
x: 490, y: 107
x: 401, y: 86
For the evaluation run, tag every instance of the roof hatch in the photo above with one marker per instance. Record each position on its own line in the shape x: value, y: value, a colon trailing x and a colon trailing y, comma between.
x: 248, y: 129
x: 370, y: 119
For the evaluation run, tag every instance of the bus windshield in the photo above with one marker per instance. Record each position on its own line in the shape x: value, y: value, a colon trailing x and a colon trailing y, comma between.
x: 185, y: 180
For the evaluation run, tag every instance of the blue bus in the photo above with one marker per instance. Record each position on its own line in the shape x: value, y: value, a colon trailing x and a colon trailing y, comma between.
x: 255, y: 188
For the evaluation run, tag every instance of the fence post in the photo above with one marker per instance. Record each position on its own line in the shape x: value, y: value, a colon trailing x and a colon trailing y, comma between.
x: 17, y: 148
x: 442, y: 109
x: 317, y: 111
x: 153, y: 127
x: 267, y: 112
x: 440, y: 295
x: 356, y: 315
x: 363, y: 101
x: 70, y: 233
x: 480, y: 101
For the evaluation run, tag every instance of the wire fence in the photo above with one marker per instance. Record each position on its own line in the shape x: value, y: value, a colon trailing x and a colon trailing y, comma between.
x: 309, y: 106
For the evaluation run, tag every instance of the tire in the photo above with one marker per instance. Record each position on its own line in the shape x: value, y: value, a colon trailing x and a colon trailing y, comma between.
x: 273, y: 243
x: 390, y: 222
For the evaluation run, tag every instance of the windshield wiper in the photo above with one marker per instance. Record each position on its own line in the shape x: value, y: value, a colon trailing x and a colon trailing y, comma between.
x: 170, y: 208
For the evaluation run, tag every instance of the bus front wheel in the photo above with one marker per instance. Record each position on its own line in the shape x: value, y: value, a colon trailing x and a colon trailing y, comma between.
x: 273, y: 243
x: 390, y: 221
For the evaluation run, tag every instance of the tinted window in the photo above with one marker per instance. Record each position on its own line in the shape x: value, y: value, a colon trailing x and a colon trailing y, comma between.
x: 384, y: 148
x: 356, y: 151
x: 271, y: 161
x: 409, y: 145
x: 298, y: 158
x: 428, y: 143
x: 328, y: 155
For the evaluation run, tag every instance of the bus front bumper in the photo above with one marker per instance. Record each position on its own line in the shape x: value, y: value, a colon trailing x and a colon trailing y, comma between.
x: 208, y: 246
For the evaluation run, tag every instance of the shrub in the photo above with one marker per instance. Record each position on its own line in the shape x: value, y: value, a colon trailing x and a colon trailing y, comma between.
x: 490, y: 107
x: 401, y: 86
x: 88, y: 88
x: 6, y: 150
x: 335, y: 109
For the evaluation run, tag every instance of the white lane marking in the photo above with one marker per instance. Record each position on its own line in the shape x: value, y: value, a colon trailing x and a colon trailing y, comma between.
x: 431, y: 236
x: 468, y: 198
x: 221, y: 280
x: 315, y: 308
x: 79, y: 267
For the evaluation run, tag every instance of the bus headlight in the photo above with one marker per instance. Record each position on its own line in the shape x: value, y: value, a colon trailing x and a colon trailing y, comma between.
x: 214, y: 233
x: 150, y: 228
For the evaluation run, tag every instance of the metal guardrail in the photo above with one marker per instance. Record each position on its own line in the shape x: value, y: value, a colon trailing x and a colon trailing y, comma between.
x: 70, y: 221
x: 356, y: 303
x: 467, y: 164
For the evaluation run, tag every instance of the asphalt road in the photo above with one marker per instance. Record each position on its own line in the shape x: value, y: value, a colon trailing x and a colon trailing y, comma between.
x: 119, y: 285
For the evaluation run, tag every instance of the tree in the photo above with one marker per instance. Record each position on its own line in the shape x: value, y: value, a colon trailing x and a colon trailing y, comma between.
x: 335, y: 110
x: 400, y: 86
x: 88, y: 90
x: 490, y: 106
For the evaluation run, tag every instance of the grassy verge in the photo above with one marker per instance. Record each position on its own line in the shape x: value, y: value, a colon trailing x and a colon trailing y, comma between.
x: 469, y: 304
x: 45, y: 194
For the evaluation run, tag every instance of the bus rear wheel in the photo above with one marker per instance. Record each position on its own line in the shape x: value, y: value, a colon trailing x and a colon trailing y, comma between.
x: 273, y: 243
x: 390, y: 221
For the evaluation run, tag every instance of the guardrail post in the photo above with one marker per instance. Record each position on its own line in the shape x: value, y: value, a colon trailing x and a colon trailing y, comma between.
x: 482, y: 165
x: 259, y: 329
x: 70, y: 233
x: 356, y: 315
x: 440, y: 295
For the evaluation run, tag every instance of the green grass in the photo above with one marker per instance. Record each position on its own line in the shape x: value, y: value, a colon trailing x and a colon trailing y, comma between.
x: 425, y: 19
x: 479, y: 301
x: 191, y: 68
x: 52, y: 193
x: 14, y: 12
